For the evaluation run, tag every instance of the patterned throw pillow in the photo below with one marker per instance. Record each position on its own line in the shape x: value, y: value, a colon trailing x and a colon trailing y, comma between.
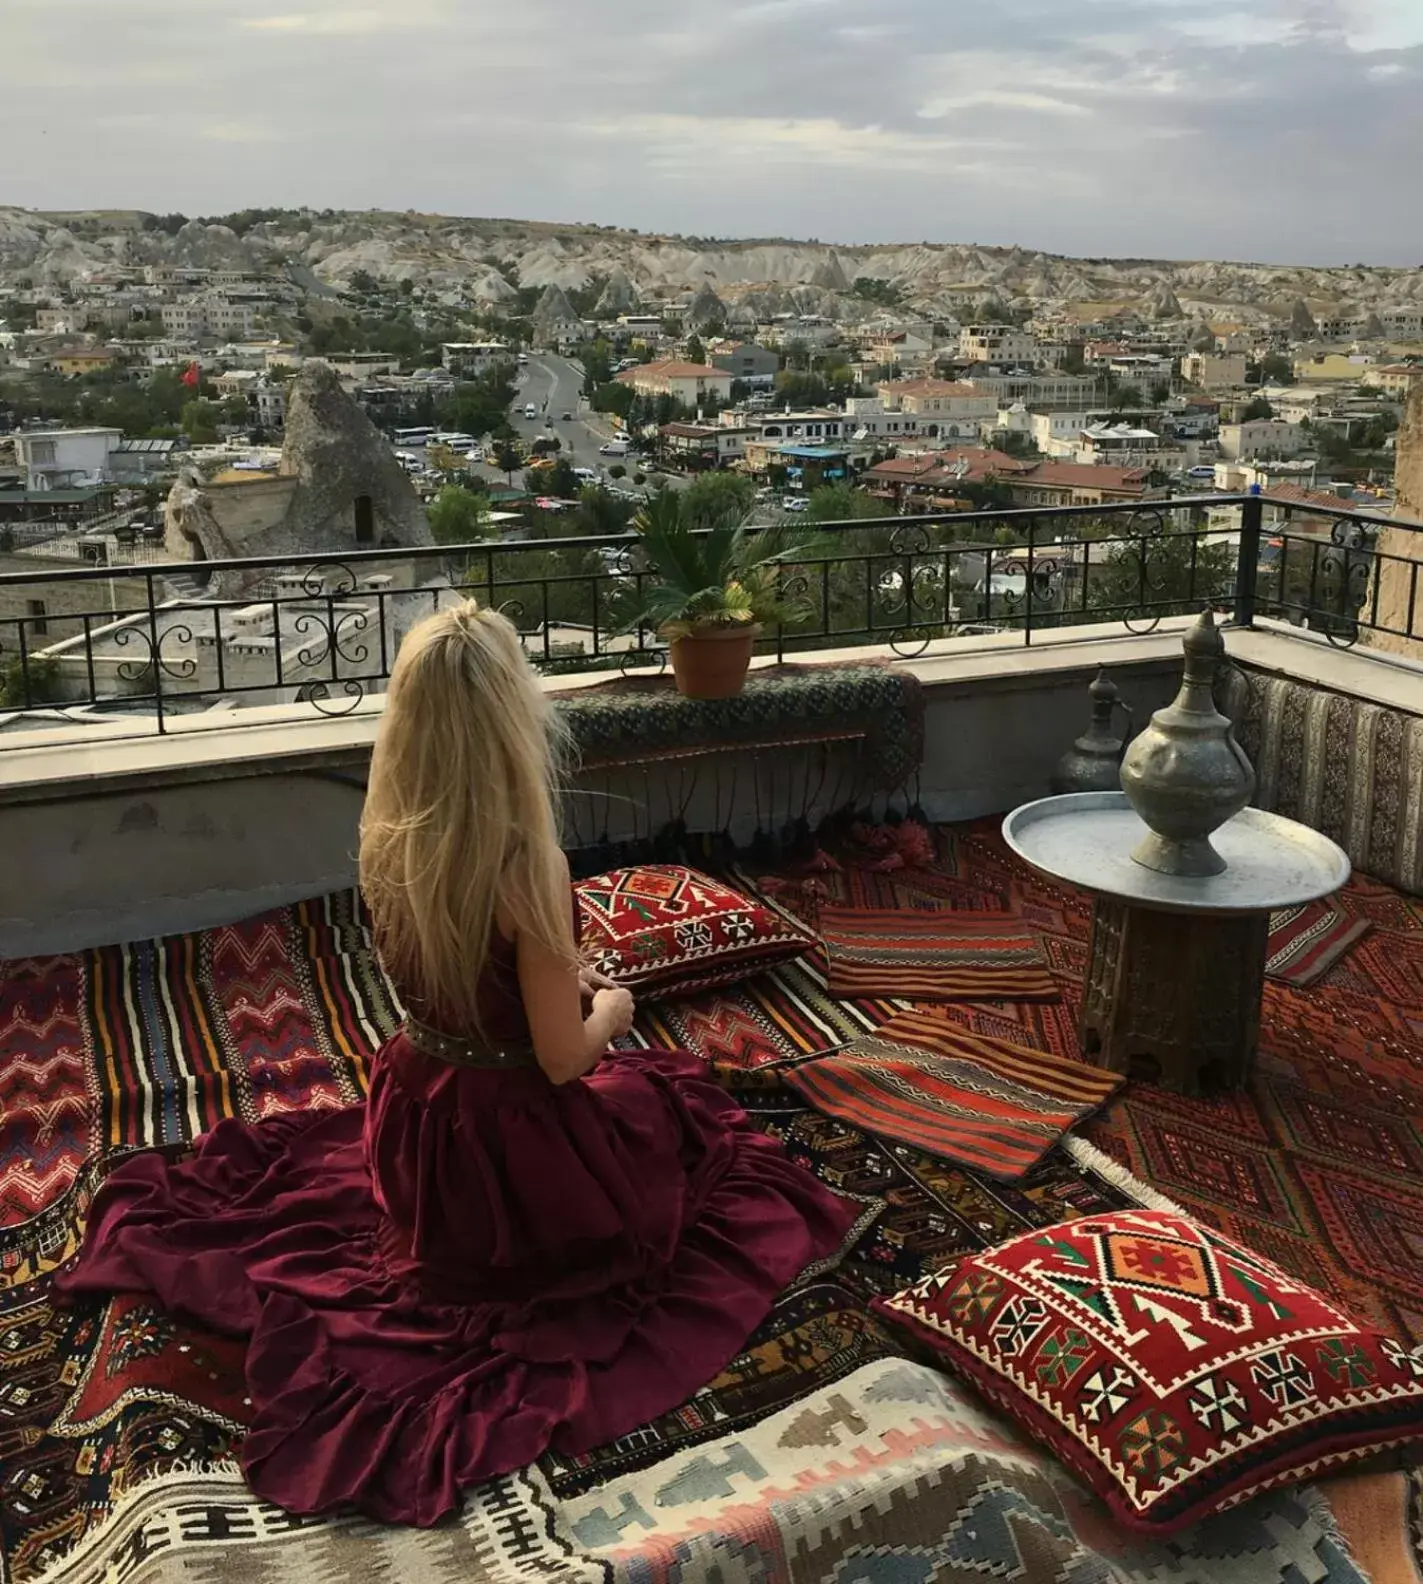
x: 659, y: 927
x: 1169, y: 1369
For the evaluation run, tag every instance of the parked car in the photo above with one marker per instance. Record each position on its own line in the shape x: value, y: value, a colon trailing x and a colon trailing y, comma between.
x: 567, y: 418
x: 795, y: 503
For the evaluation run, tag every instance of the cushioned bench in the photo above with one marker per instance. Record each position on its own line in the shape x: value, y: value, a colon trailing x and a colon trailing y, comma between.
x: 1346, y: 767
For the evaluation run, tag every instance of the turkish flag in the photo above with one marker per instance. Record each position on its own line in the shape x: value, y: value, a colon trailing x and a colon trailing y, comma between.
x: 191, y: 375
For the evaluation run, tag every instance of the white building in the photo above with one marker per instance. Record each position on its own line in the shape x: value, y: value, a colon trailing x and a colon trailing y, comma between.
x: 1005, y: 345
x: 1212, y: 370
x: 212, y: 314
x: 1118, y: 445
x: 472, y: 358
x: 1141, y: 367
x: 1057, y: 434
x: 1072, y: 391
x: 65, y: 458
x: 1244, y: 441
x: 946, y: 400
x: 688, y: 383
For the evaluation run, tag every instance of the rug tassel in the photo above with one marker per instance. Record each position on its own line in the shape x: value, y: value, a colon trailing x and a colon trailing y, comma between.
x: 1092, y: 1159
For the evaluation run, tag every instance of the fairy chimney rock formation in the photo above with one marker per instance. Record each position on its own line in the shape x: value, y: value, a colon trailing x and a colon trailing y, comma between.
x: 338, y: 488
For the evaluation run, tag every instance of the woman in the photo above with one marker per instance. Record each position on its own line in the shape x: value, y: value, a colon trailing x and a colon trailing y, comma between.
x: 521, y: 1241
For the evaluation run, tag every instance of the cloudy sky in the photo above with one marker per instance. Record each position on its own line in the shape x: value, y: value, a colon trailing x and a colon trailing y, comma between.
x: 1286, y: 130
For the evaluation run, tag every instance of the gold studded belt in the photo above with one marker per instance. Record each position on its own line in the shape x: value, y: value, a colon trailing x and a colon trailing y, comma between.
x: 465, y: 1052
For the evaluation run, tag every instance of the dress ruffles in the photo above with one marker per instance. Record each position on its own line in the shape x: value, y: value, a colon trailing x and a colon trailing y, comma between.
x: 471, y: 1268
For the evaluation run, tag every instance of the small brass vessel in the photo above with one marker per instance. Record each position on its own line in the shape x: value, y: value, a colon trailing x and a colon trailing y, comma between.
x: 1185, y: 774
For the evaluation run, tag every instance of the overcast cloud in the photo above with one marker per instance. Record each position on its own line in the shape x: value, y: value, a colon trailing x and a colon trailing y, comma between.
x: 1289, y: 130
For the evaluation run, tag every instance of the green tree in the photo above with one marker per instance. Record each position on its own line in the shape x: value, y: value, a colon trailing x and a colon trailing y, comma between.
x: 1160, y: 392
x: 1276, y: 369
x: 236, y: 411
x: 28, y: 684
x: 597, y: 359
x: 362, y: 282
x: 457, y: 515
x: 717, y: 500
x: 1257, y: 408
x: 1073, y: 360
x: 876, y: 290
x: 613, y: 398
x: 842, y: 503
x: 199, y: 420
x: 696, y: 352
x: 561, y: 480
x: 507, y: 459
x: 601, y: 512
x: 1127, y: 398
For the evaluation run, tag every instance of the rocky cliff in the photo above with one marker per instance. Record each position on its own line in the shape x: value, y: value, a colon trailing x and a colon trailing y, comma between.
x: 484, y: 260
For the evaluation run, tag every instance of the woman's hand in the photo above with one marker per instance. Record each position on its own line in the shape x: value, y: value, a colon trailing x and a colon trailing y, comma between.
x: 590, y: 981
x: 616, y: 1006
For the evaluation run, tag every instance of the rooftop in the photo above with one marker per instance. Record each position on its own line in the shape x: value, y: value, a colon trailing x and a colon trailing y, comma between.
x: 211, y: 826
x: 671, y: 369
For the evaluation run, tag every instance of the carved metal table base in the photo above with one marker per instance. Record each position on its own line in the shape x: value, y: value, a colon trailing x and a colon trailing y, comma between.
x: 1174, y: 997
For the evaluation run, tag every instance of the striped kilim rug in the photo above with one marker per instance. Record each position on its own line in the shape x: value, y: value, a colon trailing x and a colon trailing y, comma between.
x: 983, y: 1103
x: 1306, y: 941
x: 940, y: 955
x: 779, y: 1016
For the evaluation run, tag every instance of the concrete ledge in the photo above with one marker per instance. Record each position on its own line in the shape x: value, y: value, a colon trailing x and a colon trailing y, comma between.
x: 119, y: 837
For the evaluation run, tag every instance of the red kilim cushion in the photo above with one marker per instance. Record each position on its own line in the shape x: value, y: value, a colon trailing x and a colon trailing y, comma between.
x: 1170, y: 1369
x: 663, y: 928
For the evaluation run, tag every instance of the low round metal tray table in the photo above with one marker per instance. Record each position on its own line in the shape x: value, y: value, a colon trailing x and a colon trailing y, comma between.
x: 1176, y: 968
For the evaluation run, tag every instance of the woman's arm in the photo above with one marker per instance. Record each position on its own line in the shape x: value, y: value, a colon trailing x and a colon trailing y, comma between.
x: 566, y: 1043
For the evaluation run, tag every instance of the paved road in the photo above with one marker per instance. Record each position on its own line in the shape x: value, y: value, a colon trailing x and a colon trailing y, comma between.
x: 546, y: 377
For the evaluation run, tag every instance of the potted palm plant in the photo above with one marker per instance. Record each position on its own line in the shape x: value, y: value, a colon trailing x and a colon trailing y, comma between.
x: 708, y: 593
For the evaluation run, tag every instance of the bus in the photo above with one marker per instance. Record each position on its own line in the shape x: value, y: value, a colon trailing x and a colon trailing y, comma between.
x: 405, y: 438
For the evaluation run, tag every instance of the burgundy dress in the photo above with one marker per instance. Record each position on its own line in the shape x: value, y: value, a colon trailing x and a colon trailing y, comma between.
x: 472, y: 1267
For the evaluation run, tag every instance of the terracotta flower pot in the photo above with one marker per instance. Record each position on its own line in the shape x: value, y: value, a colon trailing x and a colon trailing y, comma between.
x: 712, y: 664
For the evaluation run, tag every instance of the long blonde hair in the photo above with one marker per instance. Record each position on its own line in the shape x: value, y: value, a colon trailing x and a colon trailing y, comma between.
x: 460, y: 812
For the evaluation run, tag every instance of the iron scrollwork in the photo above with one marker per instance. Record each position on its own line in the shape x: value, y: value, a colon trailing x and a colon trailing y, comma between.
x: 1146, y: 528
x: 641, y: 659
x: 336, y: 632
x: 1344, y: 571
x: 154, y: 662
x: 332, y: 579
x: 319, y: 696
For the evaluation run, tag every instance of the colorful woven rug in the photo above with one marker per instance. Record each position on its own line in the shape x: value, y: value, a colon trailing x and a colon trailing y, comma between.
x: 898, y: 1475
x: 1306, y: 941
x: 117, y: 1426
x: 1319, y: 1163
x: 115, y: 1411
x: 779, y: 1016
x: 937, y: 955
x: 980, y: 1102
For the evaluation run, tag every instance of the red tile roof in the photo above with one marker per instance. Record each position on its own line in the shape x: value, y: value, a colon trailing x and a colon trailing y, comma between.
x: 942, y: 467
x: 672, y: 369
x: 1085, y: 475
x: 1296, y: 495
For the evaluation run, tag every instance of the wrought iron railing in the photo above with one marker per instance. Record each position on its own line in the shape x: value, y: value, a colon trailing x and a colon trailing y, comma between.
x: 158, y: 642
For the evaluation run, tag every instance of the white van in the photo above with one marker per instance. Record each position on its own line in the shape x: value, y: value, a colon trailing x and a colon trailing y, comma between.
x: 614, y: 448
x: 585, y: 475
x: 530, y: 411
